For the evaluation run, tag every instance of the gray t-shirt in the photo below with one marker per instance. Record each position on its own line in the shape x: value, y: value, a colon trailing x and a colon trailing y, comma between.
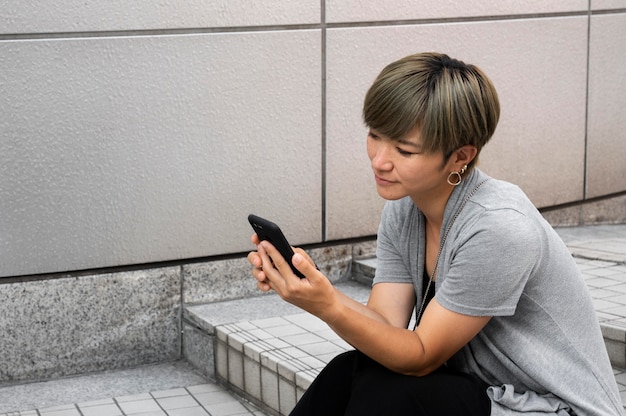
x: 542, y: 352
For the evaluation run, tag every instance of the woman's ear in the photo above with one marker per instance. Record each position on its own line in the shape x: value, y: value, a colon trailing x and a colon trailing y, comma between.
x: 463, y: 156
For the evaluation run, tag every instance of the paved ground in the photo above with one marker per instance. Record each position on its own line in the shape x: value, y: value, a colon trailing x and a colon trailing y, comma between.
x: 175, y: 389
x: 197, y: 400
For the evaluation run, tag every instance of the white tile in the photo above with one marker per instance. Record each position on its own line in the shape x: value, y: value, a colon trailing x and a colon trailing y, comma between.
x: 294, y: 352
x: 204, y: 388
x: 95, y: 403
x: 235, y: 368
x: 169, y: 393
x: 139, y: 406
x: 227, y: 409
x: 237, y: 340
x: 252, y: 377
x: 177, y: 402
x: 253, y: 350
x: 221, y: 359
x: 269, y: 388
x: 270, y: 322
x: 621, y: 288
x: 603, y: 283
x: 619, y: 310
x: 214, y: 397
x: 287, y: 370
x: 284, y: 330
x: 603, y: 305
x: 606, y: 317
x: 133, y: 397
x: 244, y: 326
x: 321, y: 348
x: 275, y: 343
x: 59, y: 407
x: 70, y: 411
x: 189, y: 411
x: 305, y: 378
x: 328, y: 334
x: 223, y: 331
x: 287, y: 394
x: 269, y: 360
x: 302, y: 339
x: 311, y: 362
x: 604, y: 293
x: 306, y: 320
x: 326, y: 358
x: 101, y: 410
x: 259, y: 334
x: 608, y: 272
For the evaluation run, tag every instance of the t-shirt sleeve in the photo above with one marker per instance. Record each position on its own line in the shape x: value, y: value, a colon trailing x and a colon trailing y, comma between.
x: 391, y: 261
x: 491, y: 265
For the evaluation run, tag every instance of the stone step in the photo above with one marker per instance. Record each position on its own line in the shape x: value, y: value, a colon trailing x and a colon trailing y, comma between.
x: 262, y: 348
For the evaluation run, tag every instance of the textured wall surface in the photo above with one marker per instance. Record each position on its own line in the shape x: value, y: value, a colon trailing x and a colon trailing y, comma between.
x: 139, y: 132
x: 54, y: 328
x: 607, y: 107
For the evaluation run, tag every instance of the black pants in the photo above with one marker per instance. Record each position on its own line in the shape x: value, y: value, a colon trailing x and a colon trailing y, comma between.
x: 355, y: 385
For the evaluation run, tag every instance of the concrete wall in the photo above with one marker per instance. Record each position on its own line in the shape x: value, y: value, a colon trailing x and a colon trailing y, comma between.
x: 83, y: 324
x: 138, y: 132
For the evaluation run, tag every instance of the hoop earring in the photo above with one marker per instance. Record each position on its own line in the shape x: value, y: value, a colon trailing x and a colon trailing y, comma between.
x: 456, y: 175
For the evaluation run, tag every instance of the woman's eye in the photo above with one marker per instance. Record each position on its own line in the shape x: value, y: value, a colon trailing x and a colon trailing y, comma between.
x: 404, y: 152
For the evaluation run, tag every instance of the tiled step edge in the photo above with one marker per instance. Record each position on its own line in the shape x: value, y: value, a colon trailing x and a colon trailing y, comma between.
x: 262, y: 348
x: 273, y: 361
x: 614, y: 334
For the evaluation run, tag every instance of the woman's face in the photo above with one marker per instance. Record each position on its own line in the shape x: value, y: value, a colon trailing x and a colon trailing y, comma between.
x: 401, y: 168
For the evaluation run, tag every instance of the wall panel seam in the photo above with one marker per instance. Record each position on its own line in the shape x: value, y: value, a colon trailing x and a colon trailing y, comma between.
x: 156, y: 32
x: 294, y: 27
x: 323, y: 118
x: 586, y: 131
x: 464, y: 19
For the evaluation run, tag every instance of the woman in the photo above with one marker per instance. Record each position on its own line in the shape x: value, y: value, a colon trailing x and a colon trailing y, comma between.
x: 505, y: 324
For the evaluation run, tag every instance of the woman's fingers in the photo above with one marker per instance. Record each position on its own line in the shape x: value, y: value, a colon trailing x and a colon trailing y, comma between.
x: 304, y: 254
x: 257, y: 266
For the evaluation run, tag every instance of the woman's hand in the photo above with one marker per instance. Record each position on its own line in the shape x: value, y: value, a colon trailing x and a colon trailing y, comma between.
x: 314, y: 293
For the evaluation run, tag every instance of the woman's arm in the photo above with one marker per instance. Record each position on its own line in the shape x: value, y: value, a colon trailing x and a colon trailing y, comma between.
x: 440, y: 334
x: 378, y: 329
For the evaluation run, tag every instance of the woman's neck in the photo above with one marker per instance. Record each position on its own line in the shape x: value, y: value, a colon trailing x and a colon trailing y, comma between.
x: 433, y: 206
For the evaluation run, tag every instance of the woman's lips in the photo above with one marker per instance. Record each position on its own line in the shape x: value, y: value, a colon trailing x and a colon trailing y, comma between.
x: 382, y: 181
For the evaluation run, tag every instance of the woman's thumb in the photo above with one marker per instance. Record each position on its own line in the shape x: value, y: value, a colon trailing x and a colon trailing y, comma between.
x: 301, y: 264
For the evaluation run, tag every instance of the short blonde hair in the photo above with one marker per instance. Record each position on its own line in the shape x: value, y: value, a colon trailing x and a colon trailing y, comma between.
x: 452, y: 103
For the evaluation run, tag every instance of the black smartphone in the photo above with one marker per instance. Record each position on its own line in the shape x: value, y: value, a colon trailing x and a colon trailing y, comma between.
x: 267, y: 230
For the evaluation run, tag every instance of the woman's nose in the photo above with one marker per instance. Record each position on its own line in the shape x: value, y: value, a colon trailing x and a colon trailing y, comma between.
x: 380, y: 159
